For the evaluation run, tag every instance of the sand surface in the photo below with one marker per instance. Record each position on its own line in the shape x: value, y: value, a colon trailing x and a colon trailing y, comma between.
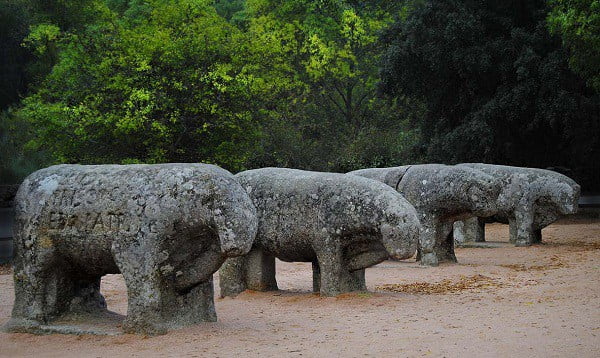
x: 540, y: 301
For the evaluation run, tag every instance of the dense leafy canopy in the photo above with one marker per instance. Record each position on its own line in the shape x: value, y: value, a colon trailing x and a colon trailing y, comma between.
x: 496, y: 85
x: 323, y: 85
x: 578, y: 22
x: 160, y: 82
x: 327, y: 115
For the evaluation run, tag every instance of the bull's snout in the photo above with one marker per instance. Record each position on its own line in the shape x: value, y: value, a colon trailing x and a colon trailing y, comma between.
x: 570, y: 205
x: 400, y: 241
x: 566, y: 198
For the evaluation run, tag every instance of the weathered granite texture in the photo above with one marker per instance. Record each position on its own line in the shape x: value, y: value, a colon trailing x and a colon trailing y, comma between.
x: 441, y: 194
x: 340, y: 223
x: 530, y: 200
x: 167, y: 228
x: 471, y: 229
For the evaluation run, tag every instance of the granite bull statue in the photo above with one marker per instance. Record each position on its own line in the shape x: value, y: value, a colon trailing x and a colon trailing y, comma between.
x: 340, y: 223
x: 530, y: 200
x: 167, y: 228
x: 441, y: 194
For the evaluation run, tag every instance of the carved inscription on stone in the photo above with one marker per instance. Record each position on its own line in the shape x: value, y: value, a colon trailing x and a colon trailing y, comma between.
x: 63, y: 198
x: 77, y: 223
x: 89, y: 222
x: 68, y: 219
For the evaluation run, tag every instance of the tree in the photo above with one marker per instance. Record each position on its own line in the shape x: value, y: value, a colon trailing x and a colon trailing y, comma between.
x: 14, y: 24
x: 325, y: 54
x: 233, y: 11
x: 578, y: 23
x: 19, y: 68
x: 23, y: 68
x: 496, y: 85
x: 150, y: 81
x: 17, y: 160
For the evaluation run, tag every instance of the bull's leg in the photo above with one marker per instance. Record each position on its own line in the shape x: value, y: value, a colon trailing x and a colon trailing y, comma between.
x: 143, y: 291
x: 154, y: 305
x: 330, y: 267
x: 460, y: 234
x: 232, y: 276
x: 179, y: 309
x: 429, y: 236
x: 470, y: 230
x: 335, y: 276
x: 260, y: 271
x: 67, y: 292
x: 522, y: 231
x: 155, y: 302
x: 444, y: 244
x: 61, y: 294
x: 476, y: 228
x: 157, y: 299
x: 528, y: 235
x: 355, y: 281
x: 28, y: 310
x: 86, y: 296
x: 33, y: 284
x: 316, y: 276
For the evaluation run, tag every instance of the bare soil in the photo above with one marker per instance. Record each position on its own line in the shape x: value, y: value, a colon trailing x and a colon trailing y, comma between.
x: 540, y: 301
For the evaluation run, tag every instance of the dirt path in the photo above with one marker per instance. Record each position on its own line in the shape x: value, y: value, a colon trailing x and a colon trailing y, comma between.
x: 541, y: 301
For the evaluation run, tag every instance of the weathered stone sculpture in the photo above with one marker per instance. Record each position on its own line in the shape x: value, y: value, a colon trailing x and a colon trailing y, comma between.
x: 167, y: 228
x: 471, y: 229
x: 441, y: 194
x: 340, y: 223
x: 530, y: 200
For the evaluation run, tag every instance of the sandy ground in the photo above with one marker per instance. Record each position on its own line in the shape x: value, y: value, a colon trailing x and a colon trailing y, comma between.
x: 541, y: 301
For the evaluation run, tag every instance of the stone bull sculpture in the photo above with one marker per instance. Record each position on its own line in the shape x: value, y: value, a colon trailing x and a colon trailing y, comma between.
x: 167, y: 228
x: 530, y: 200
x: 340, y: 223
x: 441, y: 194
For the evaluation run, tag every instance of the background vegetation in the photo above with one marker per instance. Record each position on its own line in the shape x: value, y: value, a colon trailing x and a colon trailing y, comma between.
x: 328, y: 85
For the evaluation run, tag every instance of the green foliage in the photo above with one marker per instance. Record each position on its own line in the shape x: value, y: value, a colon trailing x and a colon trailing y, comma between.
x: 68, y: 15
x: 241, y: 84
x: 496, y: 85
x: 324, y: 57
x: 17, y: 160
x: 163, y: 85
x: 296, y: 83
x: 578, y: 23
x: 233, y: 11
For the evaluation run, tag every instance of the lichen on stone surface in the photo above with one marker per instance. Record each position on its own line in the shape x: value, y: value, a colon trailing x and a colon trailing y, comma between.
x: 167, y: 228
x: 530, y: 199
x: 340, y: 223
x: 441, y: 194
